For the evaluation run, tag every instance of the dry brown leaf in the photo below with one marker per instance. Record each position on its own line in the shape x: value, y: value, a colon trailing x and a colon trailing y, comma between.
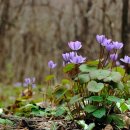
x: 126, y: 120
x: 108, y: 127
x: 23, y: 129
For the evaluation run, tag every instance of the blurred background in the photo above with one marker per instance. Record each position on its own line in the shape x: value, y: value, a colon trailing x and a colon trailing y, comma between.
x: 32, y: 32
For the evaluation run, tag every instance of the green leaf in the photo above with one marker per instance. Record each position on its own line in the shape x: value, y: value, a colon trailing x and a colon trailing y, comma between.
x: 91, y: 126
x: 28, y: 108
x: 90, y: 108
x: 120, y: 85
x: 99, y: 113
x: 49, y: 77
x: 93, y: 63
x: 86, y: 68
x: 35, y: 112
x: 120, y: 70
x: 86, y: 126
x: 75, y: 99
x: 65, y: 81
x: 116, y: 76
x: 6, y: 122
x: 68, y: 67
x: 116, y: 119
x: 122, y: 106
x: 83, y: 78
x: 83, y: 124
x: 60, y: 111
x: 94, y: 74
x: 93, y: 86
x: 107, y: 79
x: 113, y: 99
x: 99, y: 74
x: 59, y: 92
x: 95, y: 98
x: 103, y: 74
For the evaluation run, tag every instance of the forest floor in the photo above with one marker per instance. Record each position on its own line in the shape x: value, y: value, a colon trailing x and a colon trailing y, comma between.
x: 8, y: 96
x: 38, y: 123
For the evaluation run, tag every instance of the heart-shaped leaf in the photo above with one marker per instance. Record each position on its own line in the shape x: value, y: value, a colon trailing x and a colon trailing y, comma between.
x: 116, y: 76
x: 99, y: 74
x: 93, y: 86
x: 83, y: 78
x: 86, y: 68
x: 103, y: 74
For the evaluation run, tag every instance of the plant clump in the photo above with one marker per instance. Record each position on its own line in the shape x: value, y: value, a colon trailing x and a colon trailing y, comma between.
x: 95, y: 93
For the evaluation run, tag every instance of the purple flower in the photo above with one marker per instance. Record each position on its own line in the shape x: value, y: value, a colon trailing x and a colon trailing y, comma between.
x: 66, y: 57
x: 77, y: 59
x: 113, y: 57
x: 109, y: 46
x: 51, y: 64
x: 100, y: 38
x: 106, y: 42
x: 117, y: 45
x: 126, y: 59
x: 75, y: 45
x: 27, y: 80
x: 72, y: 54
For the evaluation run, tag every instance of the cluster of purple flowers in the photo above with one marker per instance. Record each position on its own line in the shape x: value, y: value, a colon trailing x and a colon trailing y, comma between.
x: 29, y: 82
x: 112, y: 46
x: 108, y: 43
x: 73, y: 57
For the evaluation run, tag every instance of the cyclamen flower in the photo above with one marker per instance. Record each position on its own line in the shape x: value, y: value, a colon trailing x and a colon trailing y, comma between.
x: 75, y: 45
x: 113, y: 57
x: 117, y: 45
x: 77, y: 59
x: 109, y: 46
x: 51, y: 64
x: 106, y: 42
x: 66, y: 57
x: 126, y: 59
x: 27, y: 81
x: 72, y: 54
x: 100, y: 38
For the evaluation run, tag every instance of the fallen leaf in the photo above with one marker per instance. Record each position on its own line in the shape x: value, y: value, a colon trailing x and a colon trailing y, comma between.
x: 108, y: 127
